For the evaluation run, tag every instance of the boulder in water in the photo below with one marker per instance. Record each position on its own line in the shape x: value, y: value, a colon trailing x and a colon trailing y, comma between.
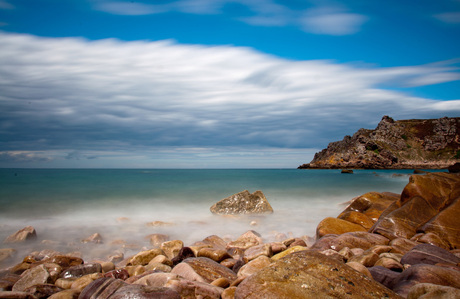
x: 243, y: 203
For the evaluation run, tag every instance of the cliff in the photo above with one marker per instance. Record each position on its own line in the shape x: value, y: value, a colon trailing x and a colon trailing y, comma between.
x: 402, y: 144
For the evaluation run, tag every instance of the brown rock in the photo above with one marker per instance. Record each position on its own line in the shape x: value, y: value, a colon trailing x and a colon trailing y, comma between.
x: 25, y: 234
x: 66, y: 294
x: 81, y: 270
x: 389, y: 263
x: 118, y: 274
x: 309, y: 274
x: 6, y: 253
x: 156, y: 279
x: 157, y: 239
x: 371, y: 204
x: 246, y: 240
x: 254, y: 266
x: 357, y: 218
x: 337, y: 226
x: 421, y: 201
x: 43, y: 290
x: 65, y: 261
x: 258, y: 250
x: 431, y: 238
x: 31, y: 277
x: 144, y: 257
x: 362, y: 240
x: 215, y: 242
x: 429, y: 254
x: 16, y: 295
x: 184, y: 253
x: 216, y: 255
x: 203, y: 269
x: 243, y: 203
x: 172, y: 248
x: 368, y: 259
x: 194, y: 289
x: 360, y: 268
x: 432, y: 291
x: 228, y: 293
x: 423, y: 273
x: 402, y: 245
x: 384, y: 275
x: 288, y: 251
x: 95, y: 238
x: 8, y: 280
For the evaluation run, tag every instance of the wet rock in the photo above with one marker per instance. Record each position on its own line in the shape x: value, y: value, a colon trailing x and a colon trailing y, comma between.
x: 158, y: 267
x: 228, y: 293
x: 16, y: 295
x: 81, y: 282
x: 347, y: 171
x: 215, y: 242
x: 357, y: 218
x: 184, y: 253
x: 309, y: 274
x: 362, y: 240
x: 383, y: 275
x: 43, y: 290
x: 423, y: 198
x: 389, y: 263
x: 258, y: 250
x: 277, y: 247
x: 402, y: 245
x: 254, y: 266
x: 203, y: 269
x: 429, y: 254
x: 31, y: 277
x: 95, y: 238
x: 337, y: 226
x: 221, y: 282
x: 360, y: 268
x: 368, y: 259
x: 243, y: 203
x: 8, y: 280
x: 432, y: 291
x: 156, y: 279
x: 246, y: 240
x: 118, y: 274
x: 144, y: 257
x: 423, y: 273
x: 66, y: 294
x: 65, y: 261
x: 431, y: 238
x: 194, y: 289
x: 171, y: 248
x: 288, y: 251
x: 333, y: 255
x: 25, y: 234
x: 54, y: 270
x: 81, y: 270
x: 371, y: 204
x: 216, y: 255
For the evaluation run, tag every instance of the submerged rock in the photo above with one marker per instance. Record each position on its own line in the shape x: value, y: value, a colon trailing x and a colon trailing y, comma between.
x: 243, y: 203
x: 25, y: 234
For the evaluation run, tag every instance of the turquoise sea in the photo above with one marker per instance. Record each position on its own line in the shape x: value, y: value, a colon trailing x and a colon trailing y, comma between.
x: 68, y: 205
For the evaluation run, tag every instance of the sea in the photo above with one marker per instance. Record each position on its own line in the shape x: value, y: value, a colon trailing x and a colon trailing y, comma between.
x: 65, y: 206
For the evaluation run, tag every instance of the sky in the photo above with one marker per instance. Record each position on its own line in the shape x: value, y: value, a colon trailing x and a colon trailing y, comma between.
x: 215, y: 83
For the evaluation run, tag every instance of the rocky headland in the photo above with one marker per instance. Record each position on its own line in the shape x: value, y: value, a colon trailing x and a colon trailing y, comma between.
x: 383, y: 245
x: 401, y: 144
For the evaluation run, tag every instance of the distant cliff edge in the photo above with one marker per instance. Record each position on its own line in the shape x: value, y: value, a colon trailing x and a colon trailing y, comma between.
x: 401, y: 144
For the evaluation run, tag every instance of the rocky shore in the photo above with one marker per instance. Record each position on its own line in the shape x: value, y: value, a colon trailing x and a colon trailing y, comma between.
x: 383, y: 245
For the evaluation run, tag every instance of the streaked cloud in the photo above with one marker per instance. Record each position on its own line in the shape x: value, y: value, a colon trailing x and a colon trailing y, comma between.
x: 6, y: 5
x: 77, y: 99
x: 332, y: 21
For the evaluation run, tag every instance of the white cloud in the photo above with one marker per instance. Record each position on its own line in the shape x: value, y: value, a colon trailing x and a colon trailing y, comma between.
x: 449, y: 17
x: 76, y: 96
x: 332, y: 21
x: 5, y: 5
x: 129, y: 8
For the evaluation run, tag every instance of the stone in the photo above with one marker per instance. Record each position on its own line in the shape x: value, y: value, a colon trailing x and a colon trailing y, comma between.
x: 360, y: 268
x: 362, y: 240
x: 159, y: 267
x: 66, y: 294
x: 431, y: 238
x: 287, y: 252
x: 156, y: 279
x: 25, y: 234
x: 254, y: 266
x: 184, y: 253
x: 432, y: 291
x: 333, y: 254
x: 95, y: 238
x: 215, y: 242
x: 429, y: 254
x: 347, y: 171
x: 243, y: 203
x: 194, y: 289
x: 357, y: 218
x: 423, y: 198
x: 422, y: 273
x: 402, y: 245
x: 389, y: 263
x: 43, y: 290
x: 31, y: 277
x: 54, y: 270
x: 144, y: 257
x: 258, y: 250
x: 172, y: 248
x: 368, y: 259
x: 246, y: 240
x: 81, y: 270
x: 118, y: 274
x: 82, y: 282
x: 158, y: 223
x: 16, y: 295
x: 228, y: 293
x: 216, y: 255
x: 64, y: 283
x: 384, y: 275
x: 309, y: 274
x: 371, y: 204
x: 8, y: 280
x: 203, y: 269
x: 65, y: 261
x: 330, y: 225
x: 135, y: 270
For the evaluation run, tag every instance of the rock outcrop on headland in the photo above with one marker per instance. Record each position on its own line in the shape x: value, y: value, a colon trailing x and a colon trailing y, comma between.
x: 402, y: 144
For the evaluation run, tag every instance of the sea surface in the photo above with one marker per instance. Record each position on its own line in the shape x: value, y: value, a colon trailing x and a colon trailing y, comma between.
x: 68, y: 205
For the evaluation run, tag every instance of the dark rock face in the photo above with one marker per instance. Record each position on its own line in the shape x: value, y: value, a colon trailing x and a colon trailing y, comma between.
x: 309, y: 274
x: 429, y: 254
x: 243, y: 203
x: 429, y: 144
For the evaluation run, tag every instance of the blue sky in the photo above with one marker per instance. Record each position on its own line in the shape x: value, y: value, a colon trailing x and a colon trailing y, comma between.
x: 215, y: 83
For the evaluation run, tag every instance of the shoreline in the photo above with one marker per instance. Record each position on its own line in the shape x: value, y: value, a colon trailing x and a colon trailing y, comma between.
x: 236, y: 268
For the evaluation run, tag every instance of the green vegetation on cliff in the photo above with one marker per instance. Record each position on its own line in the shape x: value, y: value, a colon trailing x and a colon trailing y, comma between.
x: 414, y: 143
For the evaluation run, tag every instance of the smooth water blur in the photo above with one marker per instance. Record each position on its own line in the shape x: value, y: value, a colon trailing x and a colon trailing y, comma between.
x: 67, y: 205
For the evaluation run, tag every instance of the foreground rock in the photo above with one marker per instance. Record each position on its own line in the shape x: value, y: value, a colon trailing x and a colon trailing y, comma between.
x: 243, y: 203
x: 415, y: 143
x: 309, y: 274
